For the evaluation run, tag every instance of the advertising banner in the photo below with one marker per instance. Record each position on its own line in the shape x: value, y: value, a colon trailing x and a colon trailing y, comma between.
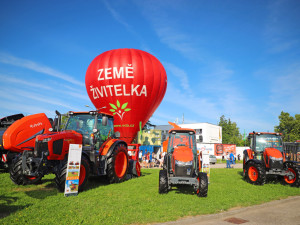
x: 222, y: 149
x: 73, y: 170
x: 206, y: 147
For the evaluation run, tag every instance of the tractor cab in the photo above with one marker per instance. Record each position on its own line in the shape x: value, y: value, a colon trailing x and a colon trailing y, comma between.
x: 95, y: 128
x: 182, y: 151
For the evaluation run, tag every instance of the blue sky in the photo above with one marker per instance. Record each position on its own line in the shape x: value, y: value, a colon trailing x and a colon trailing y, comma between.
x: 240, y: 59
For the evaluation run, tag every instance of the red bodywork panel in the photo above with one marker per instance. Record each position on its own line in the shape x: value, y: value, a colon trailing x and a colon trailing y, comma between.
x: 68, y: 136
x: 22, y: 133
x: 272, y: 152
x: 183, y: 154
x: 133, y: 151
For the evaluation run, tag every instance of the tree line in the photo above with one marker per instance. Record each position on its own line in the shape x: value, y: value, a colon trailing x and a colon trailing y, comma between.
x: 289, y: 126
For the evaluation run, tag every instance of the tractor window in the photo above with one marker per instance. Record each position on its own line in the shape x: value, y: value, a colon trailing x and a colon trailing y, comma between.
x: 105, y: 131
x: 268, y: 141
x: 82, y: 123
x: 182, y: 139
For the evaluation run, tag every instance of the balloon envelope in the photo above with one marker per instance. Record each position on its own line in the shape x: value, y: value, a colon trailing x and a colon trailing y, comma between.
x: 128, y: 83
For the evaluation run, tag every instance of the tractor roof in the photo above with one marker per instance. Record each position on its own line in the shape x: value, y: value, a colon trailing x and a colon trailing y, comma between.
x: 179, y: 129
x: 92, y: 112
x: 259, y: 133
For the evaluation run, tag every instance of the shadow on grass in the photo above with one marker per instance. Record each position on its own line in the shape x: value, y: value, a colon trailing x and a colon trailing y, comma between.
x: 271, y: 179
x: 183, y: 189
x: 6, y: 208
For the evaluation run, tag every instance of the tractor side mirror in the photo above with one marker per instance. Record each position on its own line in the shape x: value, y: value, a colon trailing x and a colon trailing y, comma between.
x: 200, y: 138
x: 104, y: 120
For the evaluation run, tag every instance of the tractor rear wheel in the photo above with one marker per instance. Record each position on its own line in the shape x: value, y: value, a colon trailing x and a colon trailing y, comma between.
x: 203, y: 185
x: 61, y: 175
x: 17, y: 176
x: 294, y: 182
x: 163, y: 182
x: 117, y: 164
x: 134, y: 168
x: 255, y: 173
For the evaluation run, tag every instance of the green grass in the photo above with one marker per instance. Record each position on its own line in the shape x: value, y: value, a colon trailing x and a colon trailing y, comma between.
x: 134, y: 201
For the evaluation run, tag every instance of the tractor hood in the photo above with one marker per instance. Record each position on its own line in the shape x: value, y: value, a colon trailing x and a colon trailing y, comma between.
x: 273, y: 152
x: 183, y: 154
x: 67, y: 135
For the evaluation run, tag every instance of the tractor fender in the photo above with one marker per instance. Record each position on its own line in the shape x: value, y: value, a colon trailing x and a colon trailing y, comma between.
x: 110, y: 145
x: 255, y: 161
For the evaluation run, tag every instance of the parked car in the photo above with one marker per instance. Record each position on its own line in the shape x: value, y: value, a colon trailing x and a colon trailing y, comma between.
x: 212, y: 159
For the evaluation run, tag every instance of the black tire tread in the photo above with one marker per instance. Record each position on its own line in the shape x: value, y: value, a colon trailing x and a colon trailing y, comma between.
x: 111, y: 175
x: 203, y: 185
x: 163, y: 182
x: 261, y: 180
x: 16, y: 173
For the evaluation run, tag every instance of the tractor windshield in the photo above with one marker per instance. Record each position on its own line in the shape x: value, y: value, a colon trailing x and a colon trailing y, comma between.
x: 268, y: 141
x: 82, y: 123
x: 182, y: 138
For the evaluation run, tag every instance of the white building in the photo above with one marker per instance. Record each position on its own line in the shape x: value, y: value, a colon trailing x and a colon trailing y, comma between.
x: 210, y: 133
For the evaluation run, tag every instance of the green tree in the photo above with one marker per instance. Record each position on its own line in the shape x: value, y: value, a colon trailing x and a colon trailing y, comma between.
x: 289, y: 126
x: 230, y: 132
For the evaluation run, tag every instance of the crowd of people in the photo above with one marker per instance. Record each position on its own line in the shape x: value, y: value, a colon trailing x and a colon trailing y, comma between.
x: 150, y: 160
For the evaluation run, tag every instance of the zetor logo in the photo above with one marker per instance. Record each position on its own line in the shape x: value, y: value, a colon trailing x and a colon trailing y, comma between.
x: 36, y: 125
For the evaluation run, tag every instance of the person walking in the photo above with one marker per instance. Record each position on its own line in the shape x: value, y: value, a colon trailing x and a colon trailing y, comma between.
x: 227, y: 157
x: 232, y: 161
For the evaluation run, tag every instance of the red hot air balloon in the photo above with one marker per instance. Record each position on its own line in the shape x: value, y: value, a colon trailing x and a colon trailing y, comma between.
x: 128, y: 83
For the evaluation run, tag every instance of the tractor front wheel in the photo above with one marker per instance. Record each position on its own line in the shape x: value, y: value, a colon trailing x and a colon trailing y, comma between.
x: 61, y: 175
x: 295, y: 181
x: 163, y: 182
x: 203, y: 185
x: 117, y: 164
x: 17, y: 176
x: 255, y: 173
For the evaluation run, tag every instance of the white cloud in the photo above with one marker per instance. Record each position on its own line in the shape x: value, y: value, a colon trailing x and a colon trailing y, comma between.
x: 11, y: 79
x: 24, y: 63
x: 280, y: 26
x: 180, y: 74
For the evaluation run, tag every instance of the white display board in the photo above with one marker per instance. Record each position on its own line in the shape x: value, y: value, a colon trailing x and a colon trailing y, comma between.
x: 205, y: 163
x: 73, y: 170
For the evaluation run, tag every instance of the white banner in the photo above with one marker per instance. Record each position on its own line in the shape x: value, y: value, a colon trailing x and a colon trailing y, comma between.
x: 205, y: 163
x: 73, y: 170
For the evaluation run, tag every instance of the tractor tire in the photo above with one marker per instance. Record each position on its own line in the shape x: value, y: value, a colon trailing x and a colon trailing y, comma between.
x: 163, y: 182
x: 245, y: 159
x: 117, y: 164
x: 295, y: 182
x: 255, y: 173
x: 134, y: 168
x: 203, y: 185
x: 17, y: 176
x: 60, y: 178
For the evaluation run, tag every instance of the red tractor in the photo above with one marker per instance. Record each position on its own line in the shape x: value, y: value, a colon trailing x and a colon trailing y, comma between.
x: 266, y: 159
x: 102, y: 152
x: 181, y: 164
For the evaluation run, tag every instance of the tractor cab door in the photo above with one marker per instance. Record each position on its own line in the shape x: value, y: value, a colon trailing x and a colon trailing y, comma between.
x: 104, y: 131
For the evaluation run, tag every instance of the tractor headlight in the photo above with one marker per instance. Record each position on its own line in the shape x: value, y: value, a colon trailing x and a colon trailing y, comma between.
x: 46, y: 139
x: 275, y: 159
x: 180, y: 163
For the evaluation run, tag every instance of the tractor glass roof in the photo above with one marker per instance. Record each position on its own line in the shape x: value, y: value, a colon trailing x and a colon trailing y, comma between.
x: 182, y: 138
x: 268, y: 141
